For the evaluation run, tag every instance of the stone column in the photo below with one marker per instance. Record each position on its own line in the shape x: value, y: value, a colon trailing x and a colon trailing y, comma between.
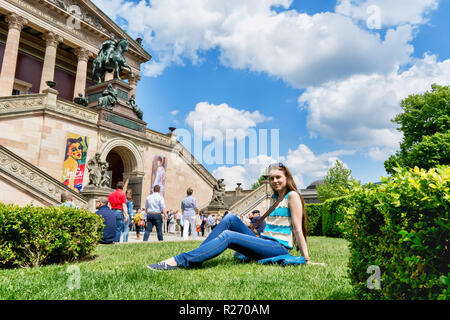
x: 48, y: 70
x: 133, y: 83
x: 80, y: 79
x: 9, y: 63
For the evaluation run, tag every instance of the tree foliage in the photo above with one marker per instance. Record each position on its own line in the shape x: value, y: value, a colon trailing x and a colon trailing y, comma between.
x: 425, y: 123
x: 336, y: 183
x: 258, y: 183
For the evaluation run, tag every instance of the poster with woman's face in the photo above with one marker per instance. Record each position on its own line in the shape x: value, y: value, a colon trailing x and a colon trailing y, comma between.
x: 75, y: 161
x: 159, y: 173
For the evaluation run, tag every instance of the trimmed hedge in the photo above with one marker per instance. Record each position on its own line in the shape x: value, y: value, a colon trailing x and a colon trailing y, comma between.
x: 333, y: 213
x: 314, y: 224
x: 35, y: 236
x: 402, y: 228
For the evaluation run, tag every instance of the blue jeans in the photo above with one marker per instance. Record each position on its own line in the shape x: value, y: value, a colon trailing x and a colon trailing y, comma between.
x: 231, y: 233
x: 119, y: 224
x: 154, y: 220
x: 126, y: 229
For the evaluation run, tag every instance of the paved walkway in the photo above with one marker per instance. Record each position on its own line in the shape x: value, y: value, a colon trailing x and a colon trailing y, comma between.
x: 153, y: 237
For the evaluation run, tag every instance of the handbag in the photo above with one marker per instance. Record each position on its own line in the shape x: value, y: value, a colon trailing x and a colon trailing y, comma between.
x: 198, y: 220
x: 265, y: 215
x: 141, y: 223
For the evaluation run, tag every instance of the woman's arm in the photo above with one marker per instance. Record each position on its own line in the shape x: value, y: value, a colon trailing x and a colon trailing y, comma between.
x: 295, y: 206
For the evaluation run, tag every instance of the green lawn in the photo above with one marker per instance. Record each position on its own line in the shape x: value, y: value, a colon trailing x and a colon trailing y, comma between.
x: 120, y: 272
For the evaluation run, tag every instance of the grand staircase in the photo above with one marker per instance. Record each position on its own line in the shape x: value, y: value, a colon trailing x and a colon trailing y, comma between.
x: 30, y: 180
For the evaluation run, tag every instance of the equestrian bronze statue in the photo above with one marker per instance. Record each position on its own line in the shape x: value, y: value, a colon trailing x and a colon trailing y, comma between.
x: 111, y: 58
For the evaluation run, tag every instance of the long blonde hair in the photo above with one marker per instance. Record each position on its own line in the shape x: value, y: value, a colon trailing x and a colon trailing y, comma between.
x: 291, y: 186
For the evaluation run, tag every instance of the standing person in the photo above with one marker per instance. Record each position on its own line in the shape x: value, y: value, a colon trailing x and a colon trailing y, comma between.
x: 118, y: 202
x: 172, y: 223
x: 126, y: 225
x: 231, y: 232
x: 210, y: 223
x: 189, y: 210
x: 109, y: 220
x: 156, y: 210
x: 138, y: 222
x: 169, y: 217
x: 178, y: 217
x: 202, y: 227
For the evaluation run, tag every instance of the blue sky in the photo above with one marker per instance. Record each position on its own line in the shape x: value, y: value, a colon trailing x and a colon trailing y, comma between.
x: 328, y: 75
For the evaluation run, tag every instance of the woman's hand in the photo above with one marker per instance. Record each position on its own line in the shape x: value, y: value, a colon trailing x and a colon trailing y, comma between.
x: 315, y: 263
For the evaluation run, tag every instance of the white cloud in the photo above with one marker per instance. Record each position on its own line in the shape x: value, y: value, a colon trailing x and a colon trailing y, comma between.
x: 301, y: 49
x: 350, y: 72
x: 308, y: 50
x: 302, y: 162
x: 391, y: 13
x: 247, y: 174
x: 174, y: 112
x: 216, y: 120
x: 358, y: 111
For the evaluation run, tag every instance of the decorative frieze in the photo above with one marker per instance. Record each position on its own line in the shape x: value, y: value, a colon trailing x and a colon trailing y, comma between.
x: 16, y: 104
x: 81, y: 13
x: 73, y: 110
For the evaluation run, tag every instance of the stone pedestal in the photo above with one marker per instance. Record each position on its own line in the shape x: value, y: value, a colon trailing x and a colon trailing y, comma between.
x: 92, y: 193
x: 121, y: 117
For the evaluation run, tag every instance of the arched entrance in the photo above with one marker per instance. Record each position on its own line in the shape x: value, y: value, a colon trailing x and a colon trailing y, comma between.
x: 116, y: 167
x: 125, y: 164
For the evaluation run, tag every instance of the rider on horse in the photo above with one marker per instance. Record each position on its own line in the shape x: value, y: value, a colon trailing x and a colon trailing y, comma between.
x: 106, y: 48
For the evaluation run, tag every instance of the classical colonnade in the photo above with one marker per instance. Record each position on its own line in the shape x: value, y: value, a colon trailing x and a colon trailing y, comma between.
x: 8, y: 70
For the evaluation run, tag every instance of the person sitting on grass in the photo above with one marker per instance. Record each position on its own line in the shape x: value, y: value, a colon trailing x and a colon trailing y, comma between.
x: 287, y: 221
x: 109, y: 220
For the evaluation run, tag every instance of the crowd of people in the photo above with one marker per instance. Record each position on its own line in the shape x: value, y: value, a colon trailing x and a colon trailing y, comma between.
x: 120, y: 217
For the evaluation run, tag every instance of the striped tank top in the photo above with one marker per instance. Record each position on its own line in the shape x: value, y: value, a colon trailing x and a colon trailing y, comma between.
x: 278, y: 224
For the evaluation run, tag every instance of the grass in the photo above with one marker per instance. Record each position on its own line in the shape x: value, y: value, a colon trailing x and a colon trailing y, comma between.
x: 120, y: 272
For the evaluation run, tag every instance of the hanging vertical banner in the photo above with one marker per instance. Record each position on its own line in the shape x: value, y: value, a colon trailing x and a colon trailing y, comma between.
x: 75, y: 161
x: 159, y: 173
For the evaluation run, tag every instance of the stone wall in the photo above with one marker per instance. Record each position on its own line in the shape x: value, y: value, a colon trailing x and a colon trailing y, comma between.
x: 35, y: 127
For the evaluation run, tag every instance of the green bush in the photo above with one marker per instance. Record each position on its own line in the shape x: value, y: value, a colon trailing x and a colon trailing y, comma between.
x: 314, y: 224
x: 34, y: 236
x: 401, y: 226
x: 333, y: 213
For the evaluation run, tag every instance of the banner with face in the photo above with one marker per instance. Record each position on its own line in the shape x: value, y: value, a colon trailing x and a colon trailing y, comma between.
x: 159, y: 173
x: 75, y: 161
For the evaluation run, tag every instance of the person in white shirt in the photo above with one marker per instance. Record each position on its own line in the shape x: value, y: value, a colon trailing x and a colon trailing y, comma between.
x: 156, y: 211
x: 189, y: 210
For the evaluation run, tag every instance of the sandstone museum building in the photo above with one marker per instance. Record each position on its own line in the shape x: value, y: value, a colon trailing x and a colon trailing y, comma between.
x: 69, y: 119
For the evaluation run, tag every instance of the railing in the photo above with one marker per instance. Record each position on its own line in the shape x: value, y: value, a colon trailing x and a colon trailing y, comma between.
x: 249, y: 201
x: 40, y: 182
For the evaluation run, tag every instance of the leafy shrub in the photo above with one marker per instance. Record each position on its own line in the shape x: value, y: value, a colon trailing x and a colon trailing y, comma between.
x: 314, y: 224
x: 402, y: 227
x: 333, y: 213
x: 34, y: 236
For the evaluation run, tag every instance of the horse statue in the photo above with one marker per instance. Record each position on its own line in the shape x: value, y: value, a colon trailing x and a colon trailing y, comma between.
x: 110, y: 58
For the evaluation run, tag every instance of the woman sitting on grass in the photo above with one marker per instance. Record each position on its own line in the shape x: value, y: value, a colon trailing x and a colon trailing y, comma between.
x: 287, y: 221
